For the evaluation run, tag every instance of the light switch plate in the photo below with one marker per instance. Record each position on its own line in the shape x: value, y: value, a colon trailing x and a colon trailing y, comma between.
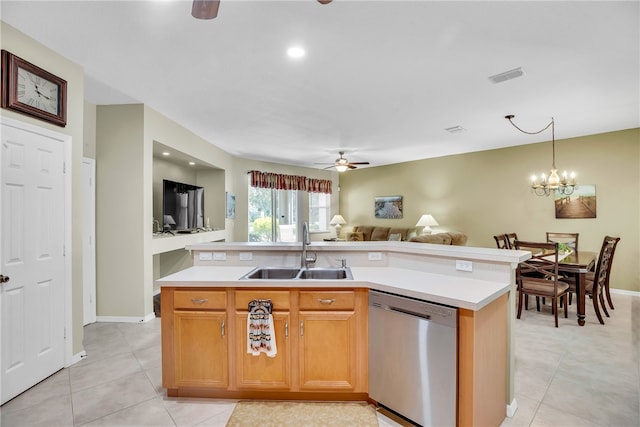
x: 219, y: 256
x: 205, y: 256
x: 246, y: 256
x: 464, y: 265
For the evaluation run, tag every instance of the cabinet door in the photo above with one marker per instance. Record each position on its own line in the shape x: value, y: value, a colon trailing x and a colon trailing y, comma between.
x: 200, y: 349
x: 263, y: 372
x: 328, y: 350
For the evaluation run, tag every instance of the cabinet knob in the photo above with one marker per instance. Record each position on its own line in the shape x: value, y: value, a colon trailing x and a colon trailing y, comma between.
x: 326, y: 301
x: 4, y: 279
x: 199, y: 300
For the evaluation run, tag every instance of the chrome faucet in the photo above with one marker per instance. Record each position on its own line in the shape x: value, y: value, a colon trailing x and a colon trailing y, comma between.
x: 305, y: 260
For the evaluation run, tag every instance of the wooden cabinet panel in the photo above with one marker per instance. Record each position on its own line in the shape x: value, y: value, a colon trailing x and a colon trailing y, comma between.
x: 327, y: 300
x: 200, y: 345
x: 263, y: 372
x: 200, y: 299
x: 279, y: 299
x: 327, y: 350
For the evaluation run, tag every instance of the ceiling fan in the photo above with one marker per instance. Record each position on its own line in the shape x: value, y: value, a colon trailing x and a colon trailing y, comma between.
x: 208, y: 9
x: 342, y: 164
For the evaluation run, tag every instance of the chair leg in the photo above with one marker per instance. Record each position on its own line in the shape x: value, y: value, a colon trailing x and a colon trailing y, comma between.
x: 554, y: 308
x: 566, y: 309
x: 538, y: 303
x: 606, y: 291
x: 596, y: 308
x: 603, y: 305
x: 520, y: 303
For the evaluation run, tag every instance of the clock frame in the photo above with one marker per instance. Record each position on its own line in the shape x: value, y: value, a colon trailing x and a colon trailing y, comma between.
x: 10, y: 65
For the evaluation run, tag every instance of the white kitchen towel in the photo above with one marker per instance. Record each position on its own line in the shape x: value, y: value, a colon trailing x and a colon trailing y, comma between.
x: 260, y: 333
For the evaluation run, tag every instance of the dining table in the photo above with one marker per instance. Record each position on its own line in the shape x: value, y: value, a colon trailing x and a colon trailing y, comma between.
x: 578, y: 263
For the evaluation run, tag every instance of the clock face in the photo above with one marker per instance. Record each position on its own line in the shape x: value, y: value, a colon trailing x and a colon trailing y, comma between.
x: 37, y: 92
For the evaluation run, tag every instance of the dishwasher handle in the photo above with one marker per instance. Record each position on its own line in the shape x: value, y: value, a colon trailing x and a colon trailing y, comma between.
x: 402, y: 310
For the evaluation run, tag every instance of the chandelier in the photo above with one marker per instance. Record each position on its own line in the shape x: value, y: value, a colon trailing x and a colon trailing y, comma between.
x: 546, y: 185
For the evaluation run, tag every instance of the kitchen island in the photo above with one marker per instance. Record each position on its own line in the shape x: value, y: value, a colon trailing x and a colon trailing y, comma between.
x: 321, y: 325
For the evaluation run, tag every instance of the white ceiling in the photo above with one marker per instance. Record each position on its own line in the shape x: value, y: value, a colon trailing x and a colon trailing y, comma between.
x: 381, y: 79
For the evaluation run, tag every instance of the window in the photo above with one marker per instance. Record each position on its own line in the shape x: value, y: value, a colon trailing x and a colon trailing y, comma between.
x: 273, y: 215
x: 319, y: 211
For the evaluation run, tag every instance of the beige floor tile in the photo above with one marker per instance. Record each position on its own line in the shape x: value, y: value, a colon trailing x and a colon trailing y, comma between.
x: 90, y: 373
x: 52, y: 411
x: 191, y: 412
x: 151, y: 413
x: 96, y: 402
x: 54, y: 386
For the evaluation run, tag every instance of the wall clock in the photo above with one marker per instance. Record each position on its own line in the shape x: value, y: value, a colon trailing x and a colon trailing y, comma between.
x: 33, y: 91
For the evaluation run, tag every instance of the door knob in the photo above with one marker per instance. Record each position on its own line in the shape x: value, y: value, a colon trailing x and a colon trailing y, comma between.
x: 4, y: 279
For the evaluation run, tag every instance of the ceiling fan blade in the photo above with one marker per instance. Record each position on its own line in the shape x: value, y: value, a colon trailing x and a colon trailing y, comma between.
x: 205, y: 9
x: 358, y: 163
x: 324, y: 1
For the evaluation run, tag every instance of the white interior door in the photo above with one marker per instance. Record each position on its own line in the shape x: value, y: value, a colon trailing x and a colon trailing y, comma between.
x: 88, y: 240
x: 32, y: 302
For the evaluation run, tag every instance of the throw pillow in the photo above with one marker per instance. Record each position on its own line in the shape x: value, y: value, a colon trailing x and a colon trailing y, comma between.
x: 355, y: 236
x: 396, y: 237
x: 380, y: 233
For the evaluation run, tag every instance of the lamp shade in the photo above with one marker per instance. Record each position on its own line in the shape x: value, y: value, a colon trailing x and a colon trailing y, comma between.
x: 168, y: 220
x: 426, y: 221
x: 337, y: 220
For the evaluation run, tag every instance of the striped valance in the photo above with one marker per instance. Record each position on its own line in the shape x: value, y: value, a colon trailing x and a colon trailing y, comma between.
x: 279, y: 181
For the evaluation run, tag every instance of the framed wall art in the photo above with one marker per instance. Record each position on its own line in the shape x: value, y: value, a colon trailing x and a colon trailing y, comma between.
x: 580, y: 204
x: 388, y: 207
x: 231, y: 205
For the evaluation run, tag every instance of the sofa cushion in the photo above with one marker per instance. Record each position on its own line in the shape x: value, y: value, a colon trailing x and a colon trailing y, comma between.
x: 366, y: 231
x: 403, y: 231
x: 395, y: 237
x: 457, y: 238
x: 439, y: 239
x: 355, y: 236
x: 380, y: 233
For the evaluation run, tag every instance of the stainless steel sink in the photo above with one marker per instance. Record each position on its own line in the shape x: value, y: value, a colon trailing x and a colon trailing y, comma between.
x: 288, y: 273
x: 326, y: 273
x: 273, y: 273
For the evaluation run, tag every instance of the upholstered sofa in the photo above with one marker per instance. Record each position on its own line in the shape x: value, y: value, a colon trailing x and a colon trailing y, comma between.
x: 374, y: 233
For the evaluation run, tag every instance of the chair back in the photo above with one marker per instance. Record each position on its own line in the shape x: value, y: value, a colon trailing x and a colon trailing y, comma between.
x: 542, y: 267
x: 570, y: 239
x: 501, y: 241
x: 511, y: 239
x: 605, y: 260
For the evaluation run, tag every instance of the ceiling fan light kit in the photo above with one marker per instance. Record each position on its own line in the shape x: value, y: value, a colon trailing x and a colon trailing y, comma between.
x: 205, y: 9
x: 342, y: 164
x: 545, y: 186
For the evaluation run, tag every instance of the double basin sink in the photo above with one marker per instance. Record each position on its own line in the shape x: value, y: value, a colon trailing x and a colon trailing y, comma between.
x: 287, y: 273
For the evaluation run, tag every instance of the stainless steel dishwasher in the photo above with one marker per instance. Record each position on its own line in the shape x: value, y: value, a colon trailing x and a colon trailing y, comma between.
x: 413, y: 358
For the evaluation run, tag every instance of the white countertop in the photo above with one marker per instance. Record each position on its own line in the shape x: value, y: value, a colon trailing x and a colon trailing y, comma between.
x: 459, y: 292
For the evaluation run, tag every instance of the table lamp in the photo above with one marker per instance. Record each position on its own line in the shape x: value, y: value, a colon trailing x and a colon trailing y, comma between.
x: 338, y: 221
x: 426, y: 221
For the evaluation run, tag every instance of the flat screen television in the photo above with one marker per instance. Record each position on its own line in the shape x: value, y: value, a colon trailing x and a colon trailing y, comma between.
x: 182, y: 206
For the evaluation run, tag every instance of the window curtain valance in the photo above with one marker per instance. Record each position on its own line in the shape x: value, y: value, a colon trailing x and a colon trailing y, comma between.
x: 290, y: 182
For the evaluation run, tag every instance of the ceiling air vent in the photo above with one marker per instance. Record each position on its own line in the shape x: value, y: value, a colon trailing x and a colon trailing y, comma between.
x: 455, y: 129
x: 507, y: 75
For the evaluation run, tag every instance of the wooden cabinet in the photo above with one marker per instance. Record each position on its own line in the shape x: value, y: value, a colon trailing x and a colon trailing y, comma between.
x: 332, y: 349
x: 200, y: 349
x: 321, y: 339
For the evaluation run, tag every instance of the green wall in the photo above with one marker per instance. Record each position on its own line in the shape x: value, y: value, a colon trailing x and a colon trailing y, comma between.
x: 487, y: 193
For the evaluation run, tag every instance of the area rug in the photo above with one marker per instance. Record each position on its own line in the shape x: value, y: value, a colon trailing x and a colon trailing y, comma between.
x: 299, y: 414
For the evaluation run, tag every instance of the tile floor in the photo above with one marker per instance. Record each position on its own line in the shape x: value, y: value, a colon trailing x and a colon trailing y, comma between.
x: 569, y: 376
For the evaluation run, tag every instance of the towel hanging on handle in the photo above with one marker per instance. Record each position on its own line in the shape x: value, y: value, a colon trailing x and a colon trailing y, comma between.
x: 261, y: 335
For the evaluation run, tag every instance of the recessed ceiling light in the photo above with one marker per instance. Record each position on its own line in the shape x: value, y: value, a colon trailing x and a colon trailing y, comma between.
x: 192, y: 163
x: 295, y: 52
x: 166, y: 153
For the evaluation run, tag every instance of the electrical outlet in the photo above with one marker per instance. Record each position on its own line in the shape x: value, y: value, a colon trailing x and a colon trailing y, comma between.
x: 246, y: 256
x: 219, y: 256
x: 464, y: 265
x: 375, y: 256
x: 205, y: 256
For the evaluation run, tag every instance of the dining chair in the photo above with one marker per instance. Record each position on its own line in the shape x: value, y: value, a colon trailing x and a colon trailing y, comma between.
x: 511, y: 238
x: 538, y: 276
x: 596, y: 283
x: 501, y: 241
x: 570, y: 239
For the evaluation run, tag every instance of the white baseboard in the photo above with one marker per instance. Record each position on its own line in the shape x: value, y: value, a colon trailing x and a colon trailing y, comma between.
x: 76, y: 358
x: 124, y: 319
x: 512, y: 408
x: 624, y: 292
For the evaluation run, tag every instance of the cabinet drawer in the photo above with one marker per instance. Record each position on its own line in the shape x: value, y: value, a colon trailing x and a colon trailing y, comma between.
x: 279, y: 299
x: 327, y: 300
x: 202, y: 300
